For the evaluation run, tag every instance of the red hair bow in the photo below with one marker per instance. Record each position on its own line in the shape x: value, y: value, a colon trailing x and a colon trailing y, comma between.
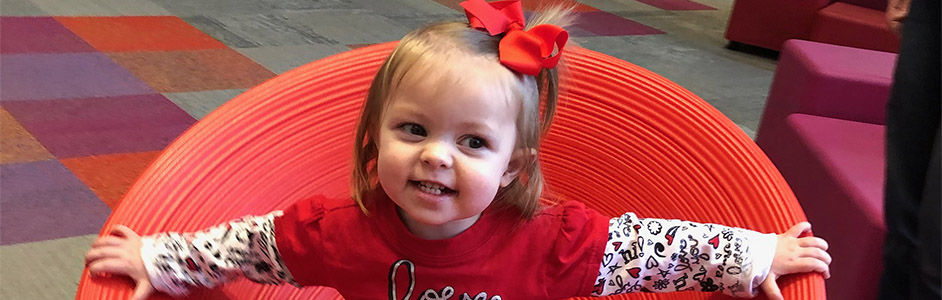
x: 526, y: 52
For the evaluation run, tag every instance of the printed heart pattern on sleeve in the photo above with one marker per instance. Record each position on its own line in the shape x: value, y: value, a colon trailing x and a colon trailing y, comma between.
x: 658, y: 255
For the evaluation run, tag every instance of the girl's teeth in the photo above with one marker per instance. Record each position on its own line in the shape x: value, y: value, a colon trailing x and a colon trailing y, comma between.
x: 431, y: 188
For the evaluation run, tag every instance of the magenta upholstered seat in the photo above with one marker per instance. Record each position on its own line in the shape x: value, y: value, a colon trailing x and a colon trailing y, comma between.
x: 853, y: 152
x: 823, y: 129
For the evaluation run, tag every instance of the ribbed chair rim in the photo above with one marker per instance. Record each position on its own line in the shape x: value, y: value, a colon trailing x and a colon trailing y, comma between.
x: 624, y: 139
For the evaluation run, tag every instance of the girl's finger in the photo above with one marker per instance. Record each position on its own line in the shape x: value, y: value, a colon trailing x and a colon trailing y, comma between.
x: 798, y: 229
x: 771, y: 289
x: 124, y: 231
x: 142, y: 290
x: 108, y: 240
x: 813, y: 242
x: 110, y: 265
x: 816, y: 253
x: 102, y: 253
x: 807, y: 264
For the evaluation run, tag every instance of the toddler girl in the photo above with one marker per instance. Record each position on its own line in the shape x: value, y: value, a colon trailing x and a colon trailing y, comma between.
x: 446, y: 188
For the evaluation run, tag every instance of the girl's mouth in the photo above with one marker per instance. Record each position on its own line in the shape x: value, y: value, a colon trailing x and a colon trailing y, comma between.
x: 432, y: 188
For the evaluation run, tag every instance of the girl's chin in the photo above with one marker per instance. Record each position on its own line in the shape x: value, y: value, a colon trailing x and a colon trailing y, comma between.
x: 424, y: 218
x: 436, y: 230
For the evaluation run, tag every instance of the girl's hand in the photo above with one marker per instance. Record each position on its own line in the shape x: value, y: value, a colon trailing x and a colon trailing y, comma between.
x: 796, y: 254
x: 120, y: 253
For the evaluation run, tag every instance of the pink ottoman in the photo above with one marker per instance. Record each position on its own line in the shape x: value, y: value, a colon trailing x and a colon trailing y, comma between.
x: 823, y: 129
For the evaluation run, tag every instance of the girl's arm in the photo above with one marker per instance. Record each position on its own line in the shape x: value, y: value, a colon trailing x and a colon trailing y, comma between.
x: 656, y: 255
x: 174, y: 262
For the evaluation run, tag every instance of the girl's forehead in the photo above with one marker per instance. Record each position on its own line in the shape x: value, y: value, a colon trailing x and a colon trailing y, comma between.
x: 454, y: 94
x: 460, y: 74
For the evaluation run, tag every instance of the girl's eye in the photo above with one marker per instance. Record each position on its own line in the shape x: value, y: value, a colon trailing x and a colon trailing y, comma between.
x: 476, y: 142
x: 414, y: 129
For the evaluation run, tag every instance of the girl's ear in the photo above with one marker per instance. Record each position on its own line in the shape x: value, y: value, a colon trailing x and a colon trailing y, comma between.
x: 517, y: 162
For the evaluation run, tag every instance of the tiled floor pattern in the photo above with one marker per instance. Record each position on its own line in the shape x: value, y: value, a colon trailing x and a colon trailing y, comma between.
x: 93, y: 90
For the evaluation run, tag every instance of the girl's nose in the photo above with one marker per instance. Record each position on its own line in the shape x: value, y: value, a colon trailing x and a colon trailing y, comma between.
x: 436, y: 155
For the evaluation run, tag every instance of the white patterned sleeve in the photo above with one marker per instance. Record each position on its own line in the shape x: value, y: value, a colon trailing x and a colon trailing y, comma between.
x: 657, y: 255
x: 177, y: 262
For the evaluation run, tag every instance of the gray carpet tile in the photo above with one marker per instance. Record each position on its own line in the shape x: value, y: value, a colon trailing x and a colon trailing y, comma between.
x: 46, y: 270
x: 349, y: 27
x: 703, y: 30
x: 749, y: 131
x: 402, y: 7
x: 101, y: 8
x: 740, y: 107
x: 200, y: 104
x: 413, y: 22
x: 306, y: 4
x: 621, y: 5
x: 279, y: 59
x: 733, y: 87
x: 20, y: 8
x: 246, y: 7
x: 246, y: 31
x: 213, y: 7
x: 219, y: 31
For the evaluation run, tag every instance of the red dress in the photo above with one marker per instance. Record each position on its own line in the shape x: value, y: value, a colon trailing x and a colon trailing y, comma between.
x: 332, y: 243
x: 566, y: 250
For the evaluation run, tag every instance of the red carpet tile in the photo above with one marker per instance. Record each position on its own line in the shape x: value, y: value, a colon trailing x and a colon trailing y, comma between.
x: 189, y: 71
x: 119, y: 34
x: 110, y: 176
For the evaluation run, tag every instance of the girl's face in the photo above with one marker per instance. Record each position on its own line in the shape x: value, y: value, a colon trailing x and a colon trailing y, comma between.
x: 444, y: 150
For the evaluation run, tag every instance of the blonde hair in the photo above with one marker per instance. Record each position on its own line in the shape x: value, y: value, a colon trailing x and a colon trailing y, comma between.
x: 448, y: 40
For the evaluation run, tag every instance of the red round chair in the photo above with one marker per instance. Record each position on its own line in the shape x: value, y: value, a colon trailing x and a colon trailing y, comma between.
x: 624, y: 139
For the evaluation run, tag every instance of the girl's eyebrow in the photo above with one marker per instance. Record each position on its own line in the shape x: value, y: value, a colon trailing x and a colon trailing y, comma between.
x: 482, y: 130
x: 408, y: 111
x: 480, y: 127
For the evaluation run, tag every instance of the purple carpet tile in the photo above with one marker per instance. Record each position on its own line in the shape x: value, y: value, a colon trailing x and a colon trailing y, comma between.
x: 677, y: 5
x: 43, y: 200
x: 38, y: 35
x: 607, y: 24
x: 73, y: 75
x: 107, y: 125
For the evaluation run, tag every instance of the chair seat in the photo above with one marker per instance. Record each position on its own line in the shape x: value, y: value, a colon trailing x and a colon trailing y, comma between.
x: 822, y: 127
x: 836, y: 169
x: 851, y: 152
x: 624, y: 139
x: 854, y: 26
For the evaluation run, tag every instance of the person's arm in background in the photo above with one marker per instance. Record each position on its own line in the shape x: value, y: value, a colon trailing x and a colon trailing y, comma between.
x: 896, y: 11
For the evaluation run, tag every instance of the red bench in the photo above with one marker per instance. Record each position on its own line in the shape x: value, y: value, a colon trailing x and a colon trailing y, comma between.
x: 853, y: 23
